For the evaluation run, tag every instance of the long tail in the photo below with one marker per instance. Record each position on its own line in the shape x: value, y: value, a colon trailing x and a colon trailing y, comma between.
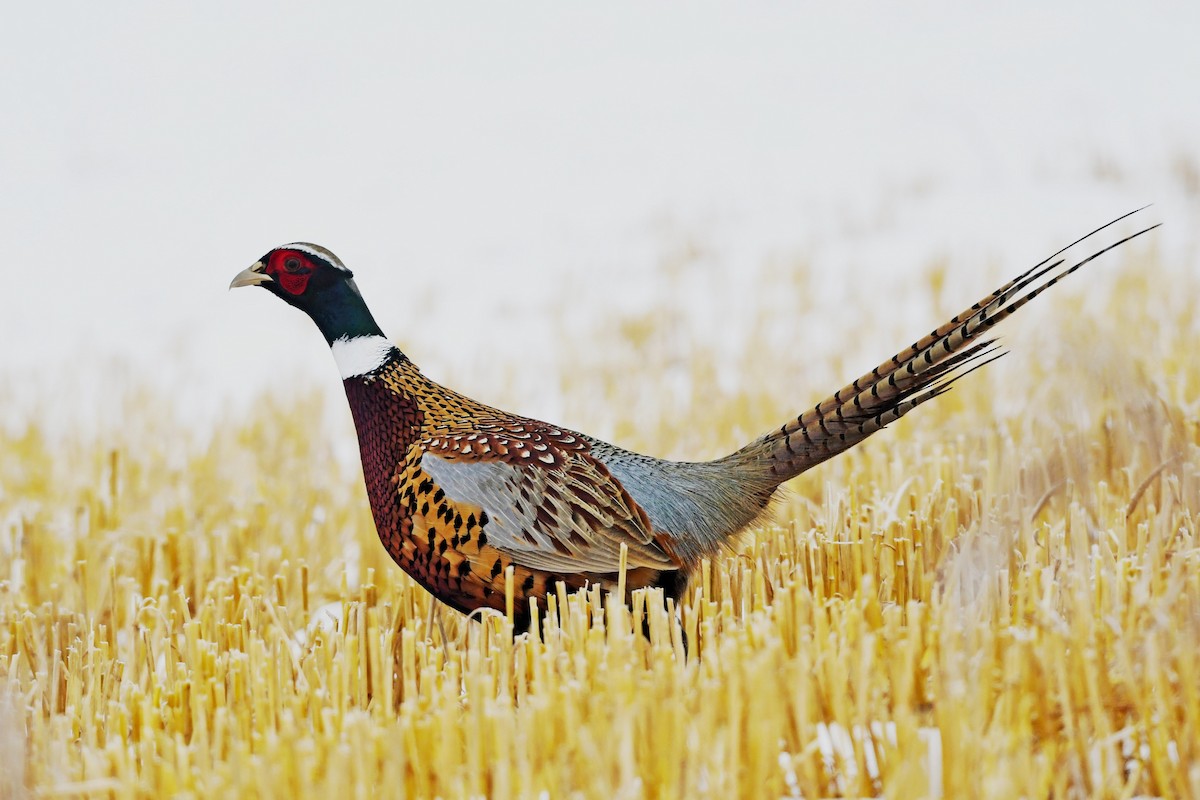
x: 911, y: 377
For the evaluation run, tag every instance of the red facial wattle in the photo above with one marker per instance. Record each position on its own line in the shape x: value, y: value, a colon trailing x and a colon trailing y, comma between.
x: 291, y: 270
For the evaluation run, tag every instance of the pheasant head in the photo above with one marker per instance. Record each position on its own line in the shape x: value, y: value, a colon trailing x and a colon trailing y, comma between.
x: 315, y: 281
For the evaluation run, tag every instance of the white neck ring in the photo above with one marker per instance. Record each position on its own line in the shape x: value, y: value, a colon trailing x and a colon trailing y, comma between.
x: 361, y: 355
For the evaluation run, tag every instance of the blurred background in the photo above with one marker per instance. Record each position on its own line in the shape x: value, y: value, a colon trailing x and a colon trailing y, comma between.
x: 497, y: 176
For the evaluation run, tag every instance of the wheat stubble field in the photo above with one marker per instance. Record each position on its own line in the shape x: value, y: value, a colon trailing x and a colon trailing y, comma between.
x: 998, y: 596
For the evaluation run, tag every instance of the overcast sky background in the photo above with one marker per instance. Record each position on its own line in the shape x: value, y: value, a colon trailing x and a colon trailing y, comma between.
x: 472, y: 163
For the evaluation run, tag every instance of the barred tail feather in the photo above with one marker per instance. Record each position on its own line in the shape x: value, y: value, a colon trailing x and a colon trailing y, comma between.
x: 918, y: 374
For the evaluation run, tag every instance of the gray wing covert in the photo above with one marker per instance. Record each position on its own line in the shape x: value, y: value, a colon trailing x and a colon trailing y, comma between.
x: 572, y: 517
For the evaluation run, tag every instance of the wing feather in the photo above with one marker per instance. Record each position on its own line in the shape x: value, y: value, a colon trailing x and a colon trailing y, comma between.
x: 572, y: 516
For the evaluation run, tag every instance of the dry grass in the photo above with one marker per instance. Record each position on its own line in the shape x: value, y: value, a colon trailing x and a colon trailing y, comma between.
x: 1000, y: 597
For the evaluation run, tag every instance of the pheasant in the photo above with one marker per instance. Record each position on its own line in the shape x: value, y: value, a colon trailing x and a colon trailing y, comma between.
x: 460, y: 492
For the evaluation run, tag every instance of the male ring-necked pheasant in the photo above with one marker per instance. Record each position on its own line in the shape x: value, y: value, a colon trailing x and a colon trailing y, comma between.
x: 460, y: 491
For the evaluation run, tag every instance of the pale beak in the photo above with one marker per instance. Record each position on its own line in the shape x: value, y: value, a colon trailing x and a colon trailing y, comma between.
x: 251, y: 276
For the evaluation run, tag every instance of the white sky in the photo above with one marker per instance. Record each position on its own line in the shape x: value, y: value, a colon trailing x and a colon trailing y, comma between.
x: 471, y: 163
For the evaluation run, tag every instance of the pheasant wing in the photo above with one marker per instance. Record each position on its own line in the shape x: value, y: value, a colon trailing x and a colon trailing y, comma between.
x: 550, y: 504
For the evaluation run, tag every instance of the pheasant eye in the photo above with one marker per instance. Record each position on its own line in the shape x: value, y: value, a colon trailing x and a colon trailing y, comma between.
x: 292, y: 270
